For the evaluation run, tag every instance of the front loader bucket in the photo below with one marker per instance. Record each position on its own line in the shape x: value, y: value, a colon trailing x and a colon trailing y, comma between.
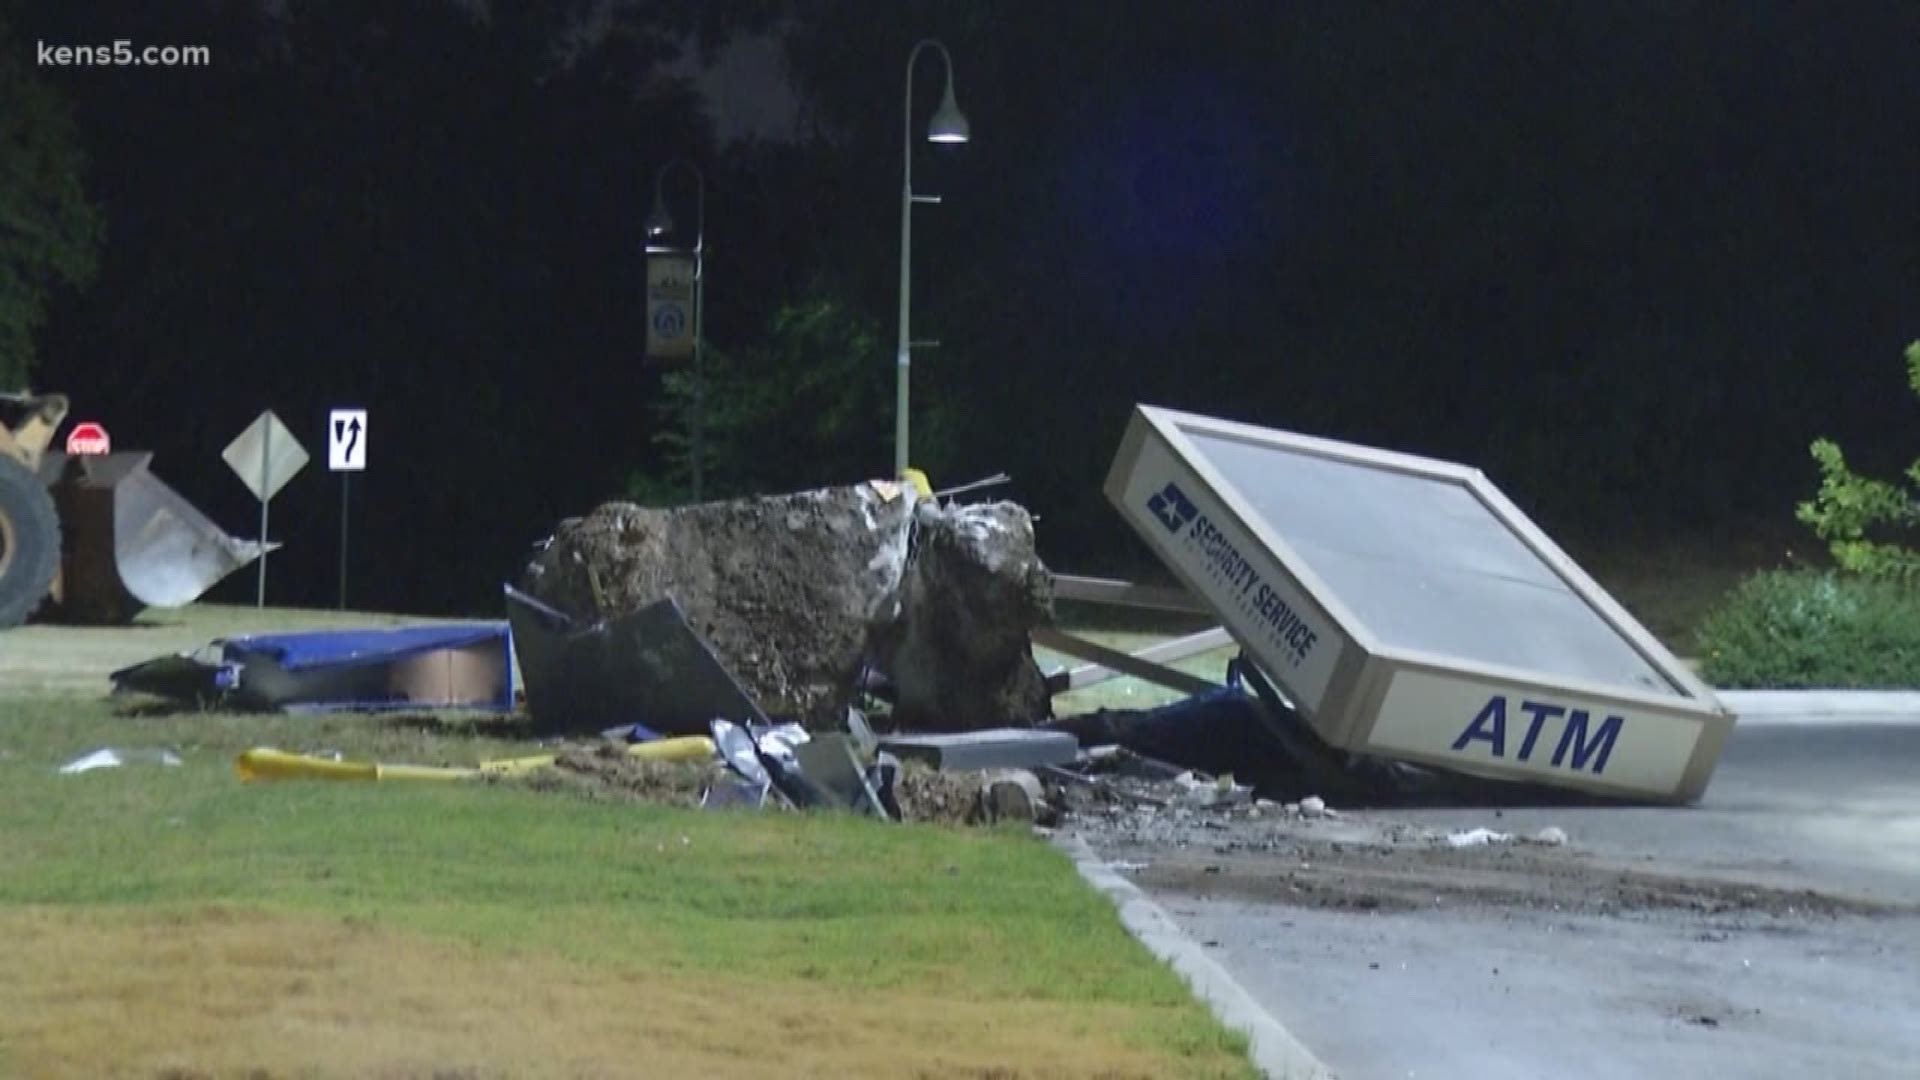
x: 131, y: 542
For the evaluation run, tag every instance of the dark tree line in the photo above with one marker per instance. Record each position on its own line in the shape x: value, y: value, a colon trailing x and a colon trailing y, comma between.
x: 1630, y: 259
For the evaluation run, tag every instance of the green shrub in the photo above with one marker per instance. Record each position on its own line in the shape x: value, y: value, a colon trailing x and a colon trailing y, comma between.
x: 1850, y: 509
x: 808, y: 404
x: 1808, y: 629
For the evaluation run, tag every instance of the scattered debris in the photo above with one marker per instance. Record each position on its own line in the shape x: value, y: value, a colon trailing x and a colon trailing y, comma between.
x: 1124, y: 867
x: 729, y: 792
x: 1478, y: 838
x: 739, y: 750
x: 925, y: 795
x: 862, y: 733
x: 1014, y: 795
x: 1216, y: 733
x: 113, y: 758
x: 1199, y: 794
x: 266, y: 763
x: 829, y: 764
x: 647, y: 665
x: 456, y: 666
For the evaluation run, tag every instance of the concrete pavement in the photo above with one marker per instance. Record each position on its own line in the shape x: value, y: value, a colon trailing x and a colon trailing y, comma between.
x: 1509, y: 972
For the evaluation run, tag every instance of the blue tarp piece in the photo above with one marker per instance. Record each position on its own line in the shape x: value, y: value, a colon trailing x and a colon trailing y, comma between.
x: 328, y: 670
x: 631, y: 733
x: 324, y: 648
x: 339, y: 670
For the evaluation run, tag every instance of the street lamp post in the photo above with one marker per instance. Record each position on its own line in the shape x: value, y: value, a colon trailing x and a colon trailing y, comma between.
x: 659, y: 223
x: 947, y: 126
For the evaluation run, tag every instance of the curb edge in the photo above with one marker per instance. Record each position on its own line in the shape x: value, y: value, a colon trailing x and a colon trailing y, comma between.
x: 1274, y: 1050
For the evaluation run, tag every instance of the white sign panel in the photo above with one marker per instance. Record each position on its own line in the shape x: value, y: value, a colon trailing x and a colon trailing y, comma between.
x: 347, y: 440
x: 1480, y: 726
x: 1472, y: 640
x: 669, y: 306
x: 265, y: 456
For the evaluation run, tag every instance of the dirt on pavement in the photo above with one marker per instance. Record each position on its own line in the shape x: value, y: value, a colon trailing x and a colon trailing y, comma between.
x: 1373, y: 863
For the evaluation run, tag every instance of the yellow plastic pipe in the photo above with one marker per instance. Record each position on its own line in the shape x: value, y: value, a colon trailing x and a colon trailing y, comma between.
x: 264, y: 764
x: 680, y: 748
x: 918, y: 480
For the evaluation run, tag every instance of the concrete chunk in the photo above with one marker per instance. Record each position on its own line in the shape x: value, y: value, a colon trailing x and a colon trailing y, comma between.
x: 961, y: 655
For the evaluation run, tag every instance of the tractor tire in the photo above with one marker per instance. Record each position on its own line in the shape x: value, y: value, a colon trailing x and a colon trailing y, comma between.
x: 29, y: 542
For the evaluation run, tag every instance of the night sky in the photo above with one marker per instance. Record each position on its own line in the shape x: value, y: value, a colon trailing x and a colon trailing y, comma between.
x: 1630, y: 259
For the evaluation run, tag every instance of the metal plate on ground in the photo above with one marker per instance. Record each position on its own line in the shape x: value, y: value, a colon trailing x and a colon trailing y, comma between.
x: 1410, y: 610
x: 646, y: 667
x: 996, y: 748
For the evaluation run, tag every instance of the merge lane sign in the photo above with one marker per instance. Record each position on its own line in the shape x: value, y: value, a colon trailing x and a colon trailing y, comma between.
x: 347, y: 440
x: 1410, y: 611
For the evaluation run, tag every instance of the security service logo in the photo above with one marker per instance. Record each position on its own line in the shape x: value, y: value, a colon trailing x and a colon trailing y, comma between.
x: 1213, y: 553
x: 1173, y: 508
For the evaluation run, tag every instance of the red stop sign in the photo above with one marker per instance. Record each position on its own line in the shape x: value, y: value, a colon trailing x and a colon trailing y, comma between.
x: 88, y: 438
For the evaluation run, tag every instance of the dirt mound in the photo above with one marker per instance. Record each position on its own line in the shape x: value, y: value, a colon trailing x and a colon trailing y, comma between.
x: 945, y: 798
x: 785, y: 589
x: 796, y: 593
x: 608, y: 772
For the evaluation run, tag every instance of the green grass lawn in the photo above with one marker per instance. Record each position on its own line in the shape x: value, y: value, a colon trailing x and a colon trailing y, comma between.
x: 308, y: 928
x: 478, y: 930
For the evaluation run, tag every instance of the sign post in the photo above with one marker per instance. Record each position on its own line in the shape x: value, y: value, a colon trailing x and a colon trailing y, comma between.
x: 265, y: 457
x: 346, y: 455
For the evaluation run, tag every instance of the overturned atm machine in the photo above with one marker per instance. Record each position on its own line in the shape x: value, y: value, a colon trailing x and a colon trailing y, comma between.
x: 1410, y: 612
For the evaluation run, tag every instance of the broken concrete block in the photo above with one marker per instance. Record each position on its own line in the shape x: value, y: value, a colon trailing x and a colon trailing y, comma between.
x: 960, y: 655
x: 925, y: 795
x: 1013, y: 795
x: 785, y: 589
x: 1000, y: 748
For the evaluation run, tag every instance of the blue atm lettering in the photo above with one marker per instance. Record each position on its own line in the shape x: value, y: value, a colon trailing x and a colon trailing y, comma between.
x: 1580, y: 742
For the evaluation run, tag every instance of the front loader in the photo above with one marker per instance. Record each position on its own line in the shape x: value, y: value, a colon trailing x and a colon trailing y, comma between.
x: 96, y: 538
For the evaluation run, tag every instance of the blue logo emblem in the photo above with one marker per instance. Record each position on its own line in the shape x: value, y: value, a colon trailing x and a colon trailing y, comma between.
x: 1173, y: 508
x: 669, y: 321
